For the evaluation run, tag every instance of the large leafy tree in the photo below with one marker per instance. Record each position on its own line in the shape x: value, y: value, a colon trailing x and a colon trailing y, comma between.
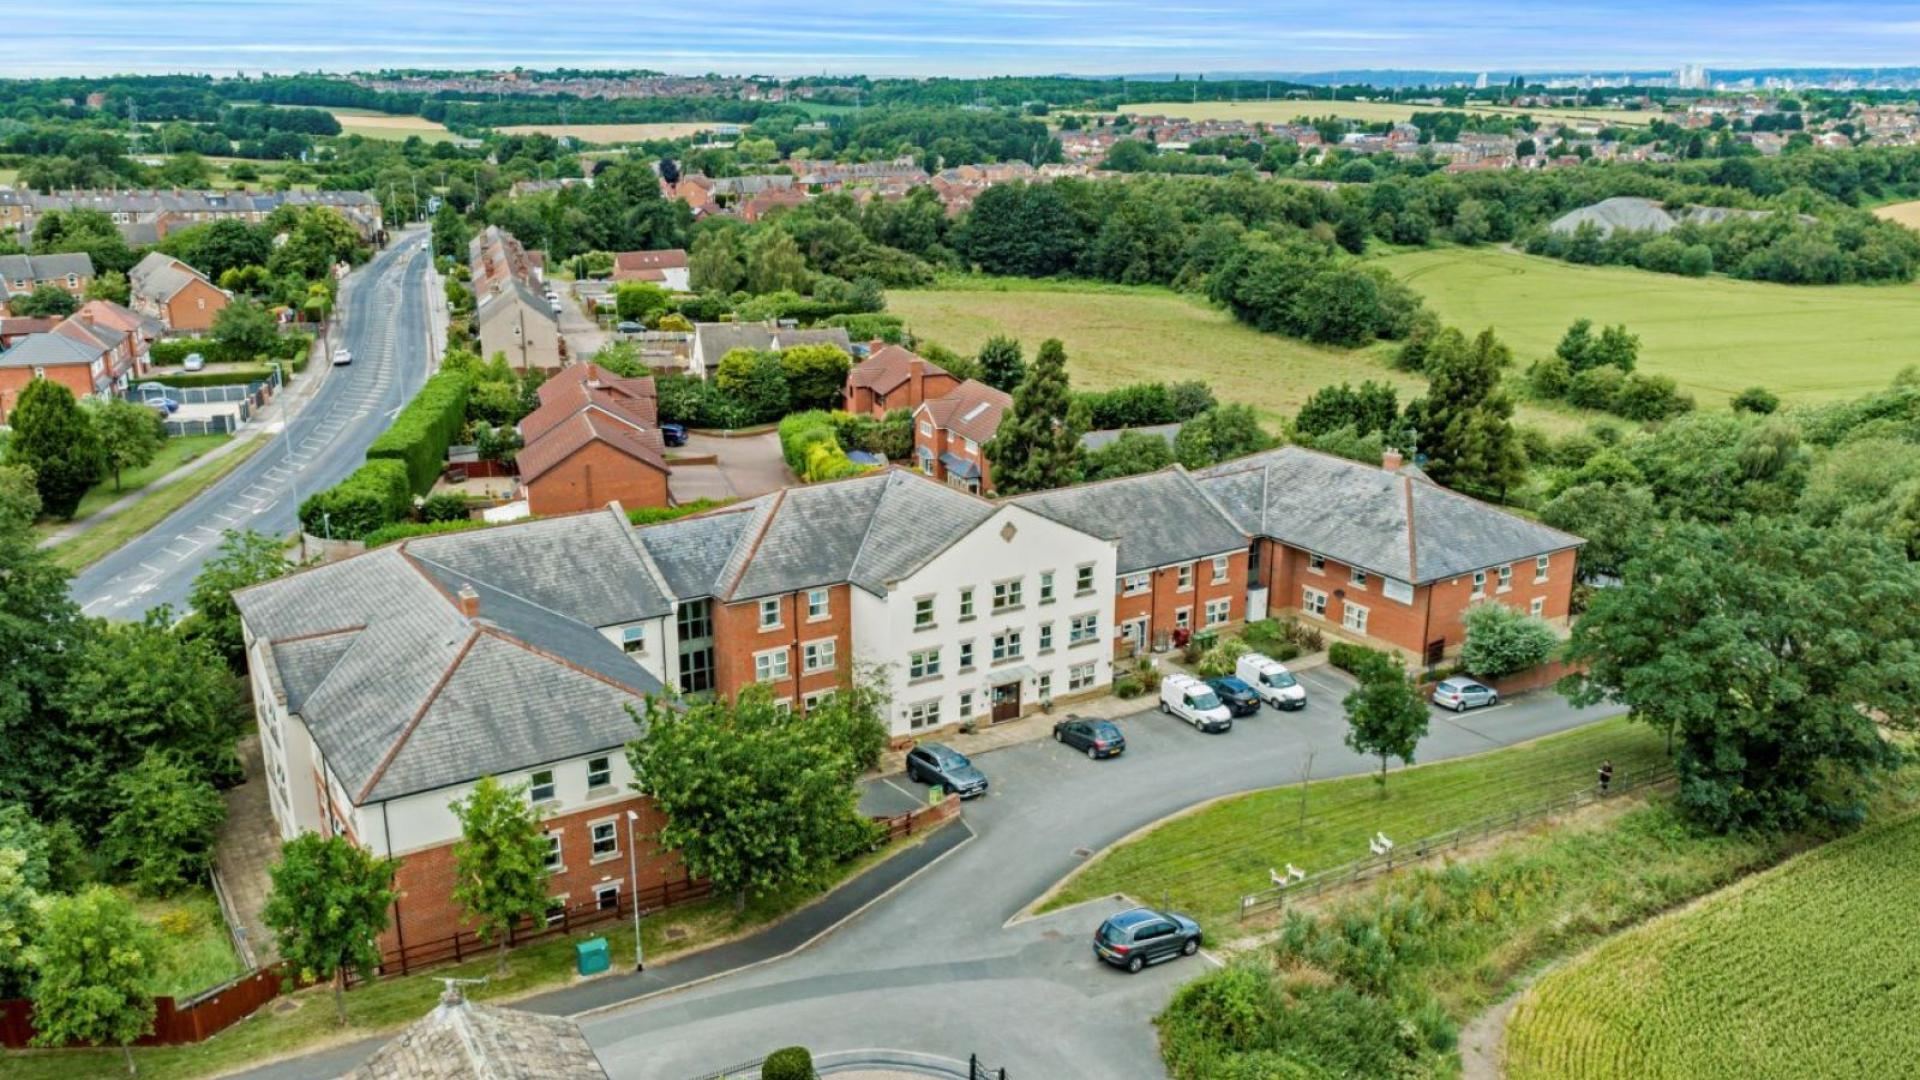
x: 1001, y: 364
x: 1038, y: 444
x: 165, y: 820
x: 1465, y: 423
x: 243, y: 330
x: 45, y: 301
x: 1386, y: 717
x: 244, y: 558
x: 755, y: 382
x: 330, y: 904
x: 1028, y: 230
x: 94, y: 965
x: 1610, y: 516
x: 1133, y: 452
x: 41, y: 634
x: 1766, y: 649
x: 130, y: 434
x: 55, y: 438
x: 500, y: 872
x: 754, y: 799
x: 1220, y: 434
x: 816, y: 375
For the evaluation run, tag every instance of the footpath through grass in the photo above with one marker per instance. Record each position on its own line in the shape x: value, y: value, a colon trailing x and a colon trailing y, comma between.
x: 1205, y: 862
x: 1806, y: 971
x: 154, y: 506
x: 173, y: 453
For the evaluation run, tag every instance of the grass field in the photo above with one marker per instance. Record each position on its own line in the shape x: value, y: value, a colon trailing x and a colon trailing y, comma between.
x: 1807, y: 971
x: 1906, y: 213
x: 198, y: 954
x: 377, y: 125
x: 611, y: 133
x: 1716, y: 336
x: 1370, y: 112
x: 83, y: 550
x: 1205, y: 862
x: 173, y: 454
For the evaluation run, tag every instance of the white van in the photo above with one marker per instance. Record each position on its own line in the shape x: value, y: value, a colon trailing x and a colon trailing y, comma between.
x: 1271, y: 680
x: 1194, y: 701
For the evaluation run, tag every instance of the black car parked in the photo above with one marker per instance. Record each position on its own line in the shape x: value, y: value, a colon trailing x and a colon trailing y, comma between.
x: 1099, y: 738
x: 934, y: 763
x: 1133, y: 939
x: 1237, y: 696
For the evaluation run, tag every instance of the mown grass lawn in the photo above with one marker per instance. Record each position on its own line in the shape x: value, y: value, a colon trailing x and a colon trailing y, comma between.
x: 1204, y: 862
x: 174, y: 453
x: 154, y: 506
x: 1716, y: 336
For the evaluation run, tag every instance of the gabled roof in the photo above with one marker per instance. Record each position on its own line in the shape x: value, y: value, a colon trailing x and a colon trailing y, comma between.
x: 634, y: 261
x: 592, y: 424
x: 1390, y: 523
x: 108, y: 313
x: 1158, y: 518
x: 45, y: 267
x: 889, y: 366
x: 582, y: 404
x: 460, y: 1040
x: 49, y: 350
x: 160, y: 277
x: 1094, y: 440
x: 715, y: 340
x: 972, y: 410
x: 510, y: 294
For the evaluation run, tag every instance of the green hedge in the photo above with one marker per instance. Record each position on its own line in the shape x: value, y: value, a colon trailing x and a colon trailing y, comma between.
x: 424, y: 429
x: 1360, y: 661
x: 811, y: 444
x: 654, y: 515
x: 374, y: 496
x: 407, y: 530
x: 172, y: 352
x: 215, y: 378
x: 788, y: 1063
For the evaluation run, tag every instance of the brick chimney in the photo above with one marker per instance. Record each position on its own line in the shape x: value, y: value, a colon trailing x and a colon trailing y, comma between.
x: 916, y: 382
x: 1391, y: 460
x: 469, y: 601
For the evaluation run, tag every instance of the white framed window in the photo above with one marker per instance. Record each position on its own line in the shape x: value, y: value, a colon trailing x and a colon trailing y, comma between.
x: 783, y: 706
x: 1046, y: 686
x: 1219, y: 611
x: 633, y: 639
x: 1313, y: 602
x: 1356, y: 577
x: 817, y: 655
x: 1354, y: 618
x: 966, y: 603
x: 1046, y: 586
x: 606, y: 896
x: 1046, y: 637
x: 1219, y: 569
x: 1540, y: 565
x: 1006, y: 645
x: 1506, y: 577
x: 1080, y: 676
x: 770, y: 613
x: 1134, y: 631
x: 1316, y: 562
x: 1135, y: 584
x: 966, y: 656
x: 1083, y: 579
x: 1182, y: 618
x: 1006, y: 595
x: 551, y: 860
x: 1538, y: 608
x: 1084, y: 627
x: 1479, y: 583
x: 606, y: 839
x: 923, y: 613
x: 599, y: 772
x: 924, y: 664
x: 770, y: 666
x: 817, y: 699
x: 926, y: 714
x: 818, y: 604
x: 966, y: 704
x: 969, y: 445
x: 1184, y: 580
x: 556, y: 910
x: 540, y: 787
x: 926, y: 427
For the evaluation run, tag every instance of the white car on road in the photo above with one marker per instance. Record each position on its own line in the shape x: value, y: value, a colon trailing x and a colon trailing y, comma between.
x: 342, y: 357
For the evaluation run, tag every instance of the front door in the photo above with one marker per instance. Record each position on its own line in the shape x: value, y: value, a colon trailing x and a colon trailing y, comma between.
x: 1006, y: 702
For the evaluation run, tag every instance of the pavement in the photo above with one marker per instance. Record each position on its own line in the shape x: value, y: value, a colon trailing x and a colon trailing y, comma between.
x: 744, y: 466
x: 584, y: 337
x: 247, y: 845
x: 383, y: 318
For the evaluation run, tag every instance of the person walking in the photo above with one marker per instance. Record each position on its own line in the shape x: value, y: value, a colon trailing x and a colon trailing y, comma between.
x: 1606, y: 776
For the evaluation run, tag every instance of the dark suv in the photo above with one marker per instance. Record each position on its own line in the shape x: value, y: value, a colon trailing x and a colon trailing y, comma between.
x: 1237, y: 696
x: 933, y: 763
x: 1134, y: 939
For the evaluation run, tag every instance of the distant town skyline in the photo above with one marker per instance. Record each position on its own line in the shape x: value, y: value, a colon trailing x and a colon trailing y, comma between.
x: 951, y: 37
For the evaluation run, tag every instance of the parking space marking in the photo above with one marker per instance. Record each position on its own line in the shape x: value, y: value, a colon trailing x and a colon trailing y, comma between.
x: 889, y: 782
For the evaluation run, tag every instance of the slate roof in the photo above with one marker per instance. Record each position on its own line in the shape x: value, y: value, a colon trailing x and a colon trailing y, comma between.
x: 461, y: 1040
x: 1390, y: 523
x: 716, y: 340
x: 1094, y: 440
x: 890, y: 366
x: 497, y: 301
x: 542, y: 561
x: 160, y: 277
x: 48, y: 350
x: 973, y: 409
x: 1157, y: 518
x: 35, y: 268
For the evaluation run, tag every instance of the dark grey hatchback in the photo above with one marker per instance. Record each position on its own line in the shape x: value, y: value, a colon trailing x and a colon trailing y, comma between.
x: 934, y: 763
x: 1133, y: 939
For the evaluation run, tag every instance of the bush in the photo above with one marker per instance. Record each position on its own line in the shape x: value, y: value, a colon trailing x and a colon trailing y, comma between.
x: 407, y: 530
x: 1757, y: 400
x: 811, y: 445
x: 374, y: 495
x: 447, y: 506
x: 1360, y: 661
x: 654, y: 515
x: 1502, y: 640
x: 424, y: 429
x: 236, y: 377
x: 788, y: 1063
x: 172, y: 352
x: 1128, y: 687
x: 1221, y: 659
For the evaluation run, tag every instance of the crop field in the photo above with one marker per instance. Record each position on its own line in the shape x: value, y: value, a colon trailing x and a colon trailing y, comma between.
x: 1807, y: 971
x: 611, y: 133
x: 376, y: 125
x: 1204, y: 862
x: 1716, y: 336
x: 1906, y: 213
x: 1368, y: 112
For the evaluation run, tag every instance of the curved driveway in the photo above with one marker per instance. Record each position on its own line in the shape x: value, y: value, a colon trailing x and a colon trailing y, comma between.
x: 384, y: 321
x: 934, y: 968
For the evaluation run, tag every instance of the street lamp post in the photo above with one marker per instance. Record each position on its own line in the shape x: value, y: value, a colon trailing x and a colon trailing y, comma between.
x: 633, y: 883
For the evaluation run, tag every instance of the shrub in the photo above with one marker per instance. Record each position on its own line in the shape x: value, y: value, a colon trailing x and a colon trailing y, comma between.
x: 374, y: 495
x: 1360, y: 661
x: 235, y: 377
x: 1757, y: 400
x: 424, y: 429
x: 1501, y: 640
x: 1128, y: 687
x: 172, y: 352
x: 446, y: 506
x: 1220, y: 659
x: 407, y: 530
x: 788, y: 1063
x: 654, y: 515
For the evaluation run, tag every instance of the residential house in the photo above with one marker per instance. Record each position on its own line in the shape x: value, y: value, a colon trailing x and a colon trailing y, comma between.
x: 890, y: 377
x: 949, y: 430
x: 495, y: 257
x: 144, y: 329
x: 517, y: 322
x: 667, y: 268
x: 164, y: 288
x: 12, y: 329
x: 1094, y: 440
x: 463, y: 1040
x: 75, y: 361
x: 713, y: 341
x: 594, y: 439
x: 145, y: 218
x: 22, y: 274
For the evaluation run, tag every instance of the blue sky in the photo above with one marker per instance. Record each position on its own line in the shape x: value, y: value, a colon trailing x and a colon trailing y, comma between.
x: 948, y: 37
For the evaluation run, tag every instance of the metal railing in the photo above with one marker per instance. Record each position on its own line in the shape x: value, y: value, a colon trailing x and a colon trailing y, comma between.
x: 1414, y: 851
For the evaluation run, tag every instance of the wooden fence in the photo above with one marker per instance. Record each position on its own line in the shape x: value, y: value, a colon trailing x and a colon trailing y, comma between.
x: 1414, y: 851
x: 175, y: 1021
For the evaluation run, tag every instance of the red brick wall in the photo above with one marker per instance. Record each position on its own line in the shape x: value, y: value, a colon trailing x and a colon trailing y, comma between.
x: 943, y: 440
x: 75, y: 377
x: 194, y: 307
x: 593, y: 476
x: 737, y: 637
x: 1161, y: 603
x: 427, y: 911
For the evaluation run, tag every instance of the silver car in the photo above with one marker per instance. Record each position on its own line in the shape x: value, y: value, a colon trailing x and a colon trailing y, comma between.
x: 1463, y: 694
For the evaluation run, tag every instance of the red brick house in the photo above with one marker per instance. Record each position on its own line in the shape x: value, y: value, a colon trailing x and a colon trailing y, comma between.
x: 179, y: 296
x: 890, y: 377
x: 667, y: 268
x: 950, y: 430
x: 593, y: 440
x: 68, y: 355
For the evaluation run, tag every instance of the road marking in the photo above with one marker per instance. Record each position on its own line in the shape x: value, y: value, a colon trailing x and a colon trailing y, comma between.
x: 889, y: 782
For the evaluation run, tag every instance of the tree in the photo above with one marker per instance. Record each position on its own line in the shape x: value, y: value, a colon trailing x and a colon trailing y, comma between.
x: 756, y: 382
x: 640, y: 301
x: 19, y: 917
x: 130, y: 434
x: 1502, y: 640
x: 1387, y: 717
x: 1373, y: 407
x: 243, y: 559
x: 94, y: 964
x: 244, y: 330
x: 774, y: 262
x: 1220, y: 434
x: 1001, y: 364
x: 754, y: 799
x: 110, y: 285
x: 45, y: 301
x: 1766, y: 649
x: 816, y: 375
x: 329, y: 905
x: 1130, y: 454
x: 227, y: 244
x: 41, y: 632
x: 1038, y: 444
x: 1465, y: 423
x: 1757, y: 400
x: 164, y: 823
x: 53, y: 437
x: 19, y: 496
x: 500, y: 871
x: 1610, y: 517
x: 451, y: 233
